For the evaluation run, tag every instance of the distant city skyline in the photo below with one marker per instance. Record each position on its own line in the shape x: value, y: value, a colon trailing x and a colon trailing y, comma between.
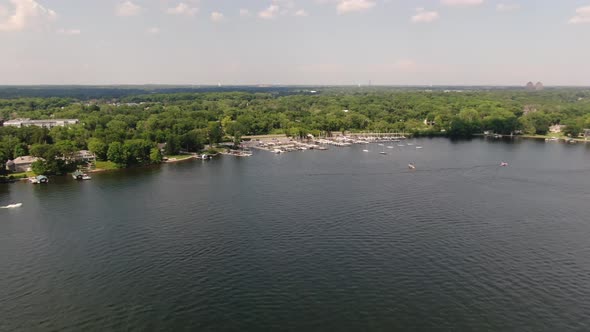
x: 295, y: 42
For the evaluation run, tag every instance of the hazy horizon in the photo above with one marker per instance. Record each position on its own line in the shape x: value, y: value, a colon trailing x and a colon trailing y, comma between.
x: 295, y: 42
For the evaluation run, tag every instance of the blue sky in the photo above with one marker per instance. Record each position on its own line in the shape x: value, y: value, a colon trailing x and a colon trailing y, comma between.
x: 400, y: 42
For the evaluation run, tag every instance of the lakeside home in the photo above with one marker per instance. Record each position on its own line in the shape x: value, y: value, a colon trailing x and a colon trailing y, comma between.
x: 21, y: 164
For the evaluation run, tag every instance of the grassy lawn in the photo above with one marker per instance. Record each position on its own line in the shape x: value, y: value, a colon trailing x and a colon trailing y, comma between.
x: 106, y: 165
x: 22, y: 175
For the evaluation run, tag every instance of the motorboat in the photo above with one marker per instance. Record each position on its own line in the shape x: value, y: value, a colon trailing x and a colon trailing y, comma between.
x: 41, y: 179
x: 503, y: 164
x: 78, y: 175
x: 411, y: 166
x: 12, y: 206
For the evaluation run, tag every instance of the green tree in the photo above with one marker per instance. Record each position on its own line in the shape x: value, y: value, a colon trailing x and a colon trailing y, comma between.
x: 156, y: 156
x: 98, y: 147
x: 573, y: 128
x: 137, y: 151
x: 215, y: 132
x: 117, y: 154
x: 172, y: 145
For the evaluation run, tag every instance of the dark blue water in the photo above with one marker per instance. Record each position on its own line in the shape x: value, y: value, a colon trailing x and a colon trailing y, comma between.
x: 338, y: 240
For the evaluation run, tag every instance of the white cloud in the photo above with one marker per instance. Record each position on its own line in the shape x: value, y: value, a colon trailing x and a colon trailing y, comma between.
x: 462, y: 3
x: 69, y: 32
x: 269, y: 13
x: 127, y: 8
x: 423, y: 16
x: 153, y: 30
x: 183, y: 9
x: 26, y: 14
x: 349, y: 6
x: 217, y: 17
x: 244, y: 12
x: 582, y: 16
x: 301, y: 13
x: 507, y: 7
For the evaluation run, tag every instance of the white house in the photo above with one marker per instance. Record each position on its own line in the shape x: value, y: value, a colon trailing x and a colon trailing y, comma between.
x: 556, y: 129
x: 41, y: 123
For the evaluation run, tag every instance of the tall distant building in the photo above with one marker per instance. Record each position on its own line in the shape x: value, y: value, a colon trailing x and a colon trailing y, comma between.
x: 534, y: 87
x: 530, y: 86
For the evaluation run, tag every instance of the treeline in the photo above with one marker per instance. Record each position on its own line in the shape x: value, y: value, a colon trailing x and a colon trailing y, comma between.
x: 127, y: 131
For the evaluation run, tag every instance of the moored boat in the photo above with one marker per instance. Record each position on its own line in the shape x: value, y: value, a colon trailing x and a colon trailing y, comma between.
x: 41, y: 179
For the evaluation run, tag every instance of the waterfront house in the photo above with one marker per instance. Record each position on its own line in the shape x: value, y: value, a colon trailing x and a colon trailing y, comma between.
x: 19, y: 123
x: 85, y: 156
x: 21, y: 164
x: 556, y: 128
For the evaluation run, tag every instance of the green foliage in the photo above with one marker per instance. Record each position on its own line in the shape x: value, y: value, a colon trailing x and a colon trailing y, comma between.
x: 125, y: 131
x: 156, y: 156
x: 137, y: 151
x: 117, y: 154
x: 215, y: 132
x: 172, y: 145
x: 98, y: 147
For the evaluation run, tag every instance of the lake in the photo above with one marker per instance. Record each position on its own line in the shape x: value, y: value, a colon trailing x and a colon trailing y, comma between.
x: 338, y: 240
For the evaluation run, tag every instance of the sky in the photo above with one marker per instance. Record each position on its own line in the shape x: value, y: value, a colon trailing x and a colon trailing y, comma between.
x: 317, y: 42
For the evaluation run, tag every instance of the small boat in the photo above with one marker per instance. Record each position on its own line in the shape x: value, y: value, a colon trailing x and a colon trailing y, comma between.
x: 39, y: 179
x: 365, y: 150
x: 503, y: 164
x: 382, y: 152
x: 390, y: 147
x: 12, y: 206
x: 400, y: 145
x: 204, y: 157
x: 78, y: 175
x: 411, y: 166
x: 418, y: 147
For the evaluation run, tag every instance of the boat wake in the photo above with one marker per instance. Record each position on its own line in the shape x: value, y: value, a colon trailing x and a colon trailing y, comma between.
x: 12, y: 206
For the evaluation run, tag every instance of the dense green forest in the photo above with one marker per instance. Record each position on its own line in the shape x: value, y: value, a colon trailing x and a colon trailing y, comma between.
x: 126, y: 129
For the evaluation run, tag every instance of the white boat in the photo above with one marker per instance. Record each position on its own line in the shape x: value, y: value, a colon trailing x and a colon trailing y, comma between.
x: 78, y: 175
x: 390, y: 147
x: 365, y: 150
x: 418, y: 147
x: 12, y: 206
x: 411, y: 166
x: 382, y: 152
x: 503, y: 164
x: 39, y: 179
